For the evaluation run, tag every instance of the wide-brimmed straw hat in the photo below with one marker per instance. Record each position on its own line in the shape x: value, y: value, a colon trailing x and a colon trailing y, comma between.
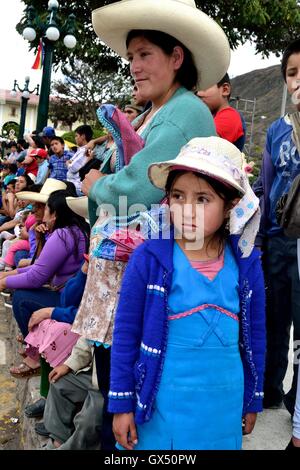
x: 79, y: 205
x: 48, y: 188
x: 210, y: 156
x: 199, y: 33
x: 134, y: 106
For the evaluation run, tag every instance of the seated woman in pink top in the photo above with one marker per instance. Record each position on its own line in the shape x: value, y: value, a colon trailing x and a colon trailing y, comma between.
x: 20, y: 243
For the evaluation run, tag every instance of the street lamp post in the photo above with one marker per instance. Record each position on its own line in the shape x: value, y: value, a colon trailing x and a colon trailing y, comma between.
x: 24, y: 101
x: 50, y: 34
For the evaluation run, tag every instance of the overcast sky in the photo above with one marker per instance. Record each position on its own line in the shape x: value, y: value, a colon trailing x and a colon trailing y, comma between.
x: 16, y: 60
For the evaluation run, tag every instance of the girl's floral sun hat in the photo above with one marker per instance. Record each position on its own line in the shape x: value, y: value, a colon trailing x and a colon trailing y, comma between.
x: 211, y: 156
x: 221, y: 160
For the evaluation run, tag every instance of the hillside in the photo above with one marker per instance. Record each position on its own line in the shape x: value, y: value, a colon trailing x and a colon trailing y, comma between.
x: 266, y: 85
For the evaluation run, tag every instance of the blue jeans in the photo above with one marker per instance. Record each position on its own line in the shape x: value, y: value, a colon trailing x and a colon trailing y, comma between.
x: 27, y: 301
x: 21, y: 254
x: 102, y: 360
x: 283, y: 309
x: 3, y: 219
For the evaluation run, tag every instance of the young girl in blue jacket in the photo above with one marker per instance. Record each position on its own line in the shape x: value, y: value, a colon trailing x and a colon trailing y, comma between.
x: 189, y: 339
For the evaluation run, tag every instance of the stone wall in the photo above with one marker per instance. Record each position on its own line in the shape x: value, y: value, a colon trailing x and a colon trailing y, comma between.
x: 21, y: 391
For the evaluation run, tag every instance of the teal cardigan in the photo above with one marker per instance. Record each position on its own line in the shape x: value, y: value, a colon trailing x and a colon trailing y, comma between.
x: 182, y: 118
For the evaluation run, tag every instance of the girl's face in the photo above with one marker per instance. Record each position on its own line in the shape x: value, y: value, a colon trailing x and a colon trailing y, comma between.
x: 153, y: 71
x: 49, y: 219
x: 39, y: 209
x: 293, y: 78
x: 23, y: 232
x: 10, y: 189
x: 197, y: 211
x: 130, y: 113
x: 20, y: 184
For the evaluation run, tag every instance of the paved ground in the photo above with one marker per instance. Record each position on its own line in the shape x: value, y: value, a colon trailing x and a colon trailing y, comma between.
x: 272, y: 431
x: 9, y: 412
x: 274, y: 427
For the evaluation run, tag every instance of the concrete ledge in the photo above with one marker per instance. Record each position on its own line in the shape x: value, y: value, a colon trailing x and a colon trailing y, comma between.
x: 27, y: 392
x: 29, y: 438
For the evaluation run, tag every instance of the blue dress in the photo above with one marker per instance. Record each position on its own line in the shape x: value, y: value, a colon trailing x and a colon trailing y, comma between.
x: 200, y: 398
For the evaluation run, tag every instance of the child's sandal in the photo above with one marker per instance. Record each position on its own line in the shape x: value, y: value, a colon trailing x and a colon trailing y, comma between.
x: 24, y: 370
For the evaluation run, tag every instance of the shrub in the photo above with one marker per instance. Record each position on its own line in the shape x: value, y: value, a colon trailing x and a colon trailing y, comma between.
x: 70, y: 136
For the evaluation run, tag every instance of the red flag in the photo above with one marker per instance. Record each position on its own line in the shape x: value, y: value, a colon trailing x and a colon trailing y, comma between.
x: 38, y: 63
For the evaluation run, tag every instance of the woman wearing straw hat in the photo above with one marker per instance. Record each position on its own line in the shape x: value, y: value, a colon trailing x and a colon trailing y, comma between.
x: 172, y: 47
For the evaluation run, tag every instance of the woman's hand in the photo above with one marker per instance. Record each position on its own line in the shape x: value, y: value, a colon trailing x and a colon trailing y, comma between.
x: 124, y: 430
x: 249, y: 422
x: 39, y: 315
x: 2, y: 284
x: 23, y: 263
x: 58, y: 372
x: 5, y: 274
x: 41, y: 228
x: 85, y: 267
x: 90, y: 179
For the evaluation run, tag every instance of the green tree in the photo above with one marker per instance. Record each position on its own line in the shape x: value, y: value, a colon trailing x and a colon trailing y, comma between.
x: 271, y: 24
x: 83, y: 89
x: 65, y: 110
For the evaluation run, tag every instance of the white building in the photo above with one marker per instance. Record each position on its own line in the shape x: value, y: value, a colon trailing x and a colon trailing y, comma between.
x: 10, y: 109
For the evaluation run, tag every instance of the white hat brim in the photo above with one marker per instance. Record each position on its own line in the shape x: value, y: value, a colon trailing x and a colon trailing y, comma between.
x: 158, y: 172
x: 199, y: 33
x: 79, y: 205
x: 50, y: 186
x: 31, y: 196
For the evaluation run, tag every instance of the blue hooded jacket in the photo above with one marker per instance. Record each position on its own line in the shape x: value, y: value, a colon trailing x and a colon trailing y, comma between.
x: 141, y: 328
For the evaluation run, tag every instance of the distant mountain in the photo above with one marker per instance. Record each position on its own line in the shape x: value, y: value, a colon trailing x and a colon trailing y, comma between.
x: 266, y: 86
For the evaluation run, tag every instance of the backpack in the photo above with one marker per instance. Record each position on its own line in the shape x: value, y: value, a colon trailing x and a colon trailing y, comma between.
x: 288, y: 210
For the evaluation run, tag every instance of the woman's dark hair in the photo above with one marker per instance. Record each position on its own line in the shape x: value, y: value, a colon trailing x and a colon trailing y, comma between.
x: 85, y: 130
x: 292, y: 48
x: 12, y: 182
x: 227, y: 193
x: 34, y: 188
x: 28, y: 180
x: 71, y: 188
x: 38, y: 142
x: 187, y: 75
x: 12, y: 168
x: 65, y: 217
x: 58, y: 139
x: 22, y: 143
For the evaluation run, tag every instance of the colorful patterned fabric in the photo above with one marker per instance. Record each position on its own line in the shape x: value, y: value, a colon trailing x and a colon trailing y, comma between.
x: 121, y: 235
x: 128, y: 142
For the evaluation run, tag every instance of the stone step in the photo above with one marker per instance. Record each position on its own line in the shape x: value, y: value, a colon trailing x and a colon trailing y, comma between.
x: 15, y: 394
